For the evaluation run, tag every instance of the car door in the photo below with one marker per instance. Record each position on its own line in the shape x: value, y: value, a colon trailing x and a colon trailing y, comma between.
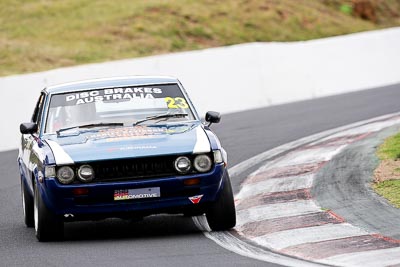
x: 29, y: 144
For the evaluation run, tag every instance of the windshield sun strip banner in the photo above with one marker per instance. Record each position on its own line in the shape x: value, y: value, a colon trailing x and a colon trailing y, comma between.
x: 171, y: 93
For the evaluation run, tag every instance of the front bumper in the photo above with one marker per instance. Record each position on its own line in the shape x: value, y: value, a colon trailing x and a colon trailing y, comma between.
x: 99, y: 201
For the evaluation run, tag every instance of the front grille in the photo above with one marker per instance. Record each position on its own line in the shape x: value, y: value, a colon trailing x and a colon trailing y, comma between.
x: 136, y: 168
x: 129, y: 169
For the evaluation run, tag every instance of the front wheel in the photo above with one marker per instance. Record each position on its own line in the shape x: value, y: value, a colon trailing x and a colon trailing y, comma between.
x: 47, y: 226
x: 222, y: 214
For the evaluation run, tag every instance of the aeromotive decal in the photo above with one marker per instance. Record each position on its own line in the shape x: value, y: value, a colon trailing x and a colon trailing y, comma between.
x: 202, y: 144
x: 61, y: 157
x: 195, y: 199
x: 126, y: 194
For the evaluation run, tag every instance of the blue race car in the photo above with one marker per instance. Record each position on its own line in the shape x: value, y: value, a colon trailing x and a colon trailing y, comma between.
x: 122, y: 147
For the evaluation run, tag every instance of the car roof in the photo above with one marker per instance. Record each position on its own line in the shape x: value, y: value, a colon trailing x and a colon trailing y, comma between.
x: 109, y: 82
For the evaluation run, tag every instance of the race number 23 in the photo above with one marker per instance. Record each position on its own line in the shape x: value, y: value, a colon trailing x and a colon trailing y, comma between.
x: 177, y: 102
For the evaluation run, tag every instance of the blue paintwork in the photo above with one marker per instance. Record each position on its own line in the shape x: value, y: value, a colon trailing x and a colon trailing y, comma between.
x: 60, y: 200
x: 100, y: 144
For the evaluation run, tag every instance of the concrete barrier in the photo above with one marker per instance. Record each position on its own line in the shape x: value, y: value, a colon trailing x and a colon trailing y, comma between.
x: 233, y: 78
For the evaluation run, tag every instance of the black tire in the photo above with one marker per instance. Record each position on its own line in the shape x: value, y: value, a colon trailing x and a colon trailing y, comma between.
x: 27, y: 205
x: 47, y: 226
x: 222, y: 214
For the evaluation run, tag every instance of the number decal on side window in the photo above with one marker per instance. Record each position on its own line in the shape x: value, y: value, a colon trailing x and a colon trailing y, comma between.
x: 177, y: 102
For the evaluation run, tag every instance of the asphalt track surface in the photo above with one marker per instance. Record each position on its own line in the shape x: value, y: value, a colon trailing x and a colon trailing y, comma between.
x: 175, y: 240
x: 343, y: 185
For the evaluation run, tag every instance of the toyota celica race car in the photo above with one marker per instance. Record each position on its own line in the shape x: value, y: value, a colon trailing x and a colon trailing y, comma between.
x: 124, y: 148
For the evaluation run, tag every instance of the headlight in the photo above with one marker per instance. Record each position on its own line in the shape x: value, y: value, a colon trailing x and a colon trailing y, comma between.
x: 65, y: 175
x: 182, y: 164
x: 202, y: 163
x: 85, y: 173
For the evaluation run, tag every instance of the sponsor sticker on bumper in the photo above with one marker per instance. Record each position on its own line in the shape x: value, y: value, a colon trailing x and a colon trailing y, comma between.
x: 126, y: 194
x: 195, y: 199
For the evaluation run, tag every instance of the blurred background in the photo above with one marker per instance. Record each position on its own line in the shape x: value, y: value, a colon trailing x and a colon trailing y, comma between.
x: 278, y: 70
x: 45, y: 34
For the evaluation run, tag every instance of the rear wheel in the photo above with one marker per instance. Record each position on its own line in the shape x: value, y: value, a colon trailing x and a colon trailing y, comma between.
x: 222, y: 214
x: 27, y: 205
x: 47, y: 226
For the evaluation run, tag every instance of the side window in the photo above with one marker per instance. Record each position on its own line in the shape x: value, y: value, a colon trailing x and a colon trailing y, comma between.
x: 38, y: 110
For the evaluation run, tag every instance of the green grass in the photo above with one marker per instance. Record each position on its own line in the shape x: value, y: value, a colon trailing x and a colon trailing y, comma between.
x: 390, y: 149
x: 38, y: 35
x: 390, y: 190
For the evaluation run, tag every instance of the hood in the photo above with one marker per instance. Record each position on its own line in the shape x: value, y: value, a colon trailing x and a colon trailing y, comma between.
x: 128, y: 142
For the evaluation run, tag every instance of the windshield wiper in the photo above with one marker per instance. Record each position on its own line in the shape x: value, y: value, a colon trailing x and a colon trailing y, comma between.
x: 161, y: 116
x: 100, y: 124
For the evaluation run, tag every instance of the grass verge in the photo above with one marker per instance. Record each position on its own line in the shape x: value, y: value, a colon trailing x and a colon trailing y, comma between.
x: 38, y: 35
x: 387, y: 174
x: 390, y: 190
x: 390, y: 149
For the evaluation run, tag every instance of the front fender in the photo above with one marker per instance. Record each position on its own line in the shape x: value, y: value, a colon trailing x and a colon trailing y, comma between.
x: 25, y: 178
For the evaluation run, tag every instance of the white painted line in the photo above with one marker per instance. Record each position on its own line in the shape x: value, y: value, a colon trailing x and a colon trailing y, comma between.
x: 307, y: 156
x: 251, y: 162
x: 276, y: 185
x: 230, y: 242
x: 234, y: 244
x: 283, y: 239
x: 201, y: 223
x: 374, y: 258
x: 373, y: 127
x: 278, y: 210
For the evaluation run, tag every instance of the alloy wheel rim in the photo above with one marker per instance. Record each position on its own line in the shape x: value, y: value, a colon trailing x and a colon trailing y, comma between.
x: 35, y: 212
x: 23, y: 204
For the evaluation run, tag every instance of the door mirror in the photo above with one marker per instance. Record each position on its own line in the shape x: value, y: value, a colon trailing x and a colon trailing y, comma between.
x: 213, y: 117
x: 28, y: 128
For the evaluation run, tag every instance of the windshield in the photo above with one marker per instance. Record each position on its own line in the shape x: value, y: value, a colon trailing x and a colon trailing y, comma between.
x: 125, y: 105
